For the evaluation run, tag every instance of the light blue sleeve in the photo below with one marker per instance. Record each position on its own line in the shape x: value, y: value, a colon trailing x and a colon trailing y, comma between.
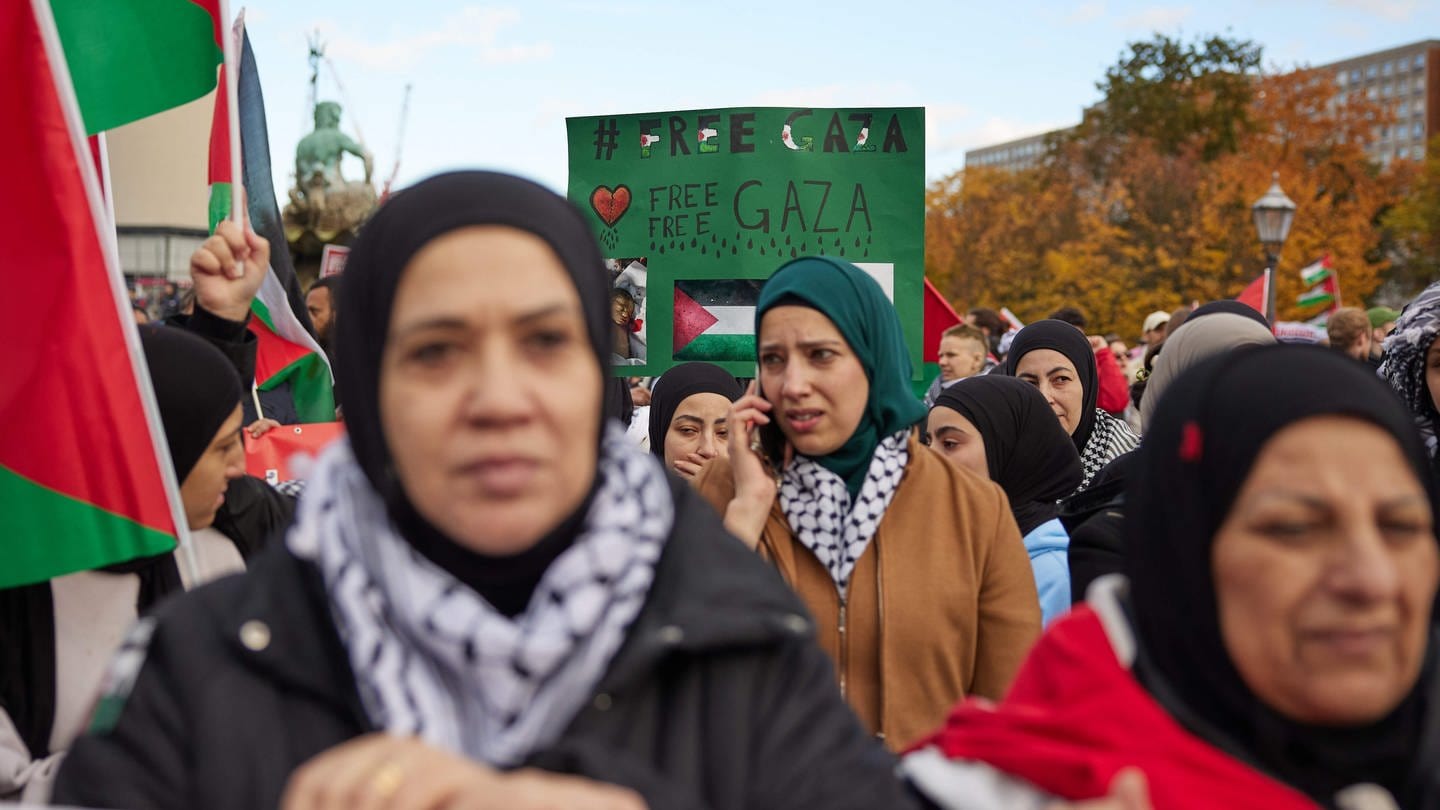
x: 1052, y: 580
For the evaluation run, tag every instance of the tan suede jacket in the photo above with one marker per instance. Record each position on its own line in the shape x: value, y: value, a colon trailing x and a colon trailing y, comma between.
x: 941, y: 605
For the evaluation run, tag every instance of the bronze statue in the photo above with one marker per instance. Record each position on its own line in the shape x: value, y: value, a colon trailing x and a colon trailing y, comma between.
x: 324, y: 207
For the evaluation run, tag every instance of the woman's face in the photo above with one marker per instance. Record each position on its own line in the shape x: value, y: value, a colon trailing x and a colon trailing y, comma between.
x: 957, y: 440
x: 1325, y: 571
x: 1432, y: 373
x: 203, y: 490
x: 489, y: 389
x: 698, y: 429
x: 1055, y: 376
x: 812, y: 377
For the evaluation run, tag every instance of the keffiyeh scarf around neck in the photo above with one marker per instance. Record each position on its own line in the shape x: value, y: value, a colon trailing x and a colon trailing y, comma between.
x: 1110, y: 439
x: 432, y: 658
x: 818, y: 508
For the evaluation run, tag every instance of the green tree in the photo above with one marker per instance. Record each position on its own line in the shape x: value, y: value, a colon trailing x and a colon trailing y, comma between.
x: 1412, y: 229
x: 1177, y: 94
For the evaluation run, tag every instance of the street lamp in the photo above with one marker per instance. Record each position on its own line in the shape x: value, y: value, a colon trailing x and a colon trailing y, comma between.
x: 1274, y: 214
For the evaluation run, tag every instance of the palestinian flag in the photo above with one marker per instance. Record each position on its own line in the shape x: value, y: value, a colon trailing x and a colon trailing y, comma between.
x: 939, y: 316
x: 133, y: 58
x: 1256, y: 295
x: 84, y: 466
x: 715, y: 320
x: 288, y: 351
x: 1317, y: 272
x: 1327, y: 292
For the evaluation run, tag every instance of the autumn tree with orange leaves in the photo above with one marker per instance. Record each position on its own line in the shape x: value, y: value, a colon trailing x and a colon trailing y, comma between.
x: 1123, y: 219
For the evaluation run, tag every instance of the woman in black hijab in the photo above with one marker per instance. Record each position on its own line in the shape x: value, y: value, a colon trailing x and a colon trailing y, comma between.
x: 488, y: 572
x: 1273, y: 646
x: 50, y: 631
x: 1003, y: 428
x: 689, y: 406
x: 1187, y: 501
x: 1057, y: 358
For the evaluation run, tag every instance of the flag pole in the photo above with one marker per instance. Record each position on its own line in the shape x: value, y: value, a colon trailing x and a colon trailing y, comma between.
x: 1270, y: 308
x: 65, y: 91
x: 232, y: 104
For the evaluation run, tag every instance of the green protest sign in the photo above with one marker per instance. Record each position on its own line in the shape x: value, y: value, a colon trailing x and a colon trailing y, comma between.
x: 695, y: 209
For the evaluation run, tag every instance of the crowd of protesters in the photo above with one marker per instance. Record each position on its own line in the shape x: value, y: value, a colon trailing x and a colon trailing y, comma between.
x: 521, y: 582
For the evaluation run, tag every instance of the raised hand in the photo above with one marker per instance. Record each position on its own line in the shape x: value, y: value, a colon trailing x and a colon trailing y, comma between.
x: 227, y: 270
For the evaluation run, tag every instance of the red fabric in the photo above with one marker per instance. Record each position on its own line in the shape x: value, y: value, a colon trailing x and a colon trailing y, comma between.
x: 273, y: 354
x: 68, y: 396
x: 1254, y: 295
x: 1114, y: 392
x: 1075, y: 717
x: 219, y: 165
x: 273, y: 456
x: 939, y: 316
x: 212, y: 7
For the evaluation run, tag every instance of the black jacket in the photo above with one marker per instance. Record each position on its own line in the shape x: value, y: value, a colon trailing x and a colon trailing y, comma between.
x: 1095, y: 520
x: 240, y: 345
x: 719, y: 697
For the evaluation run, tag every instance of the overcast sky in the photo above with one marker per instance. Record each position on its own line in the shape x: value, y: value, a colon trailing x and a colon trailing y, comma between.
x: 494, y: 83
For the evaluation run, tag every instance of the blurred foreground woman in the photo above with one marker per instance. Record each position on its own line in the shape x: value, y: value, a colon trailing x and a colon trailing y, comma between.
x: 487, y: 572
x: 1272, y: 647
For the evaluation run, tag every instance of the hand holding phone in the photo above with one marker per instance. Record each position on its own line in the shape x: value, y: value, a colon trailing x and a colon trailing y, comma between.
x: 756, y: 475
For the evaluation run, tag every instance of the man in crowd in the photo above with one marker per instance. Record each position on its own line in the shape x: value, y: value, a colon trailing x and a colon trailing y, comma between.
x: 320, y: 303
x: 1349, y: 331
x: 1382, y: 323
x: 991, y: 325
x: 963, y: 353
x: 1153, y: 331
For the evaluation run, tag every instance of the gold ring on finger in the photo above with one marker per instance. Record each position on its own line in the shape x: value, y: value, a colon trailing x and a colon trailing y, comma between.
x: 387, y: 780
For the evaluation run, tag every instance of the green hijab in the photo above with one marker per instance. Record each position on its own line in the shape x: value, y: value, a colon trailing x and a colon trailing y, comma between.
x: 854, y: 302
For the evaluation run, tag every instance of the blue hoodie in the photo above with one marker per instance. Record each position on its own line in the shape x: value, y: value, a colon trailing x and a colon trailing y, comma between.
x: 1049, y: 549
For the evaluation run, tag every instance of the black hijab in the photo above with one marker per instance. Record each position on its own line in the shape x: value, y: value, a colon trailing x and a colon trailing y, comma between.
x: 406, y: 223
x: 196, y: 389
x: 1026, y: 449
x: 1071, y: 342
x: 1232, y: 307
x: 678, y: 383
x: 1205, y: 438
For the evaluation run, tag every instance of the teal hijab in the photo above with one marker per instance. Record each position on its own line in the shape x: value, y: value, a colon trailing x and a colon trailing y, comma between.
x: 854, y: 302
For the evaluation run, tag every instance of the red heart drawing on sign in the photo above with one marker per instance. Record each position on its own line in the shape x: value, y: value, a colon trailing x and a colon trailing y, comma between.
x: 610, y: 205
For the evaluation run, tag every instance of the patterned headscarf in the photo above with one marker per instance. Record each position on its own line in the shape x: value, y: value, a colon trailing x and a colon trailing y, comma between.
x: 1404, y: 365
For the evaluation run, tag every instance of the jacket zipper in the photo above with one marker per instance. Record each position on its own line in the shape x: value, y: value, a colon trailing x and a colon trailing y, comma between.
x: 880, y: 620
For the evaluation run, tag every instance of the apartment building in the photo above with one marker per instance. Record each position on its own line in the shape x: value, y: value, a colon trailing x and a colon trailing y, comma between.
x: 1406, y: 79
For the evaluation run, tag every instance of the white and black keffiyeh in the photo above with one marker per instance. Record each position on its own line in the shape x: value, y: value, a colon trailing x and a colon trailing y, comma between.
x: 1110, y: 439
x: 432, y: 658
x: 1404, y: 364
x: 818, y: 509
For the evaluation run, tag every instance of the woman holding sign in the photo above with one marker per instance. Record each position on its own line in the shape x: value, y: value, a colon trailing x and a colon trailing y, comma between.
x: 490, y: 598
x: 914, y: 569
